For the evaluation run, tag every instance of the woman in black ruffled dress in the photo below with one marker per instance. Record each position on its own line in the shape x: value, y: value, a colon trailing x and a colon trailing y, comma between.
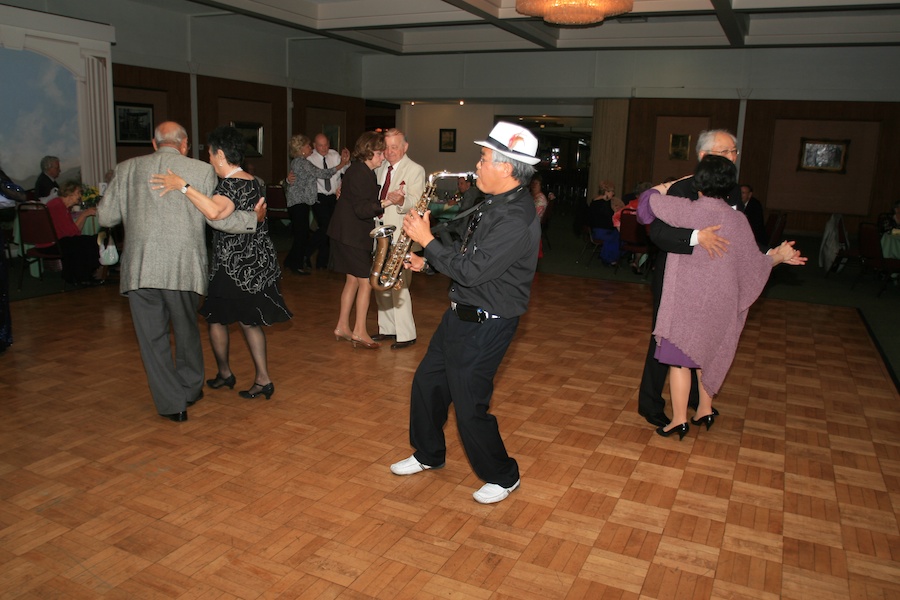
x: 243, y: 285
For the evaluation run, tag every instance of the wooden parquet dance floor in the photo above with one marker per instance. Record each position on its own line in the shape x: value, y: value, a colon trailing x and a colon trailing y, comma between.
x: 791, y: 494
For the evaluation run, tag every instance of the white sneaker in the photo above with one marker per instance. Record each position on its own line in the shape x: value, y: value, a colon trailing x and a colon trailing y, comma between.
x: 410, y: 466
x: 491, y: 492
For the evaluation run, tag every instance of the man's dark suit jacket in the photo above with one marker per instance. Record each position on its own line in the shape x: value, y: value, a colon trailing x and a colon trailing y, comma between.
x: 43, y: 185
x: 753, y: 210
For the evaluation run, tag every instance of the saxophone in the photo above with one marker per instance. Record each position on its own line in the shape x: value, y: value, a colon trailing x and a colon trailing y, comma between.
x: 387, y: 266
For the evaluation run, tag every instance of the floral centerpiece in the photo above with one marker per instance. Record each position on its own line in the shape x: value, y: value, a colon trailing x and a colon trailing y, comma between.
x: 89, y: 196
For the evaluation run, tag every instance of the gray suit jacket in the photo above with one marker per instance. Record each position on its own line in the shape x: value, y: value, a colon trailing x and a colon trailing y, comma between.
x: 165, y: 245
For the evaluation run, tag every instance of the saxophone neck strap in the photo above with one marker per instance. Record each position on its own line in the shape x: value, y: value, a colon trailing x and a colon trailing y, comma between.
x: 445, y: 224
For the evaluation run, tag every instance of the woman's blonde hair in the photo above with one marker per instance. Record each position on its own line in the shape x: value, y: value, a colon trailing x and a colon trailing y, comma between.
x: 297, y: 143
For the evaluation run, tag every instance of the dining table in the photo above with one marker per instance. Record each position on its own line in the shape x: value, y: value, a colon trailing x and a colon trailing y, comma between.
x: 890, y: 244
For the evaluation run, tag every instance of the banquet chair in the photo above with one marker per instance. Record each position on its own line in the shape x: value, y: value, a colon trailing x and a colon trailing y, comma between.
x: 276, y: 205
x: 845, y: 252
x: 36, y: 227
x: 870, y: 254
x: 775, y: 228
x: 590, y: 242
x: 633, y: 238
x: 276, y: 202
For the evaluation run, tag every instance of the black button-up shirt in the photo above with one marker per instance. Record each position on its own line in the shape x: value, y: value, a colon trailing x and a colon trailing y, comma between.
x: 497, y: 267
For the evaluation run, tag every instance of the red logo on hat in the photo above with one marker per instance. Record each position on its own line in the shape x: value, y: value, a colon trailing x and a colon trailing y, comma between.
x: 515, y: 140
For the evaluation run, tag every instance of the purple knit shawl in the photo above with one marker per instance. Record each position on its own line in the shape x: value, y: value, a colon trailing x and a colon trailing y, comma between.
x: 705, y: 301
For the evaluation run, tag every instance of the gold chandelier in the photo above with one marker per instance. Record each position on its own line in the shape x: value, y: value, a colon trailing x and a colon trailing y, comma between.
x: 573, y: 12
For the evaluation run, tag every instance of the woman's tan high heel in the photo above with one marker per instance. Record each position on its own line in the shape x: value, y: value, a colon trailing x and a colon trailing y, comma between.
x: 367, y: 345
x: 340, y: 335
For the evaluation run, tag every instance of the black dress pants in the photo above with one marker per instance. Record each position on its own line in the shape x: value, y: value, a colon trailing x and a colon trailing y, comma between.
x: 459, y: 368
x: 323, y: 210
x: 296, y: 257
x: 81, y: 257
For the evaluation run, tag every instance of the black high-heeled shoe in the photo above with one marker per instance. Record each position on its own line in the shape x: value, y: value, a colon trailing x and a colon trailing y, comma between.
x: 258, y: 390
x: 681, y: 430
x: 708, y: 420
x: 220, y: 381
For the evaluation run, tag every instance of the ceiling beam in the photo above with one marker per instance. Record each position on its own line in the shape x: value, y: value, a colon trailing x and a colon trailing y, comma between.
x: 733, y: 24
x: 526, y: 30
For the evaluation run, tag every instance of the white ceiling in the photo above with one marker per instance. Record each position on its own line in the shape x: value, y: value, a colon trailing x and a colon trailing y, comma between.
x: 406, y: 27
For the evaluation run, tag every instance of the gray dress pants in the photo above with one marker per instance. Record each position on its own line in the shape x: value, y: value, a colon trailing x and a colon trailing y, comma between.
x: 173, y: 381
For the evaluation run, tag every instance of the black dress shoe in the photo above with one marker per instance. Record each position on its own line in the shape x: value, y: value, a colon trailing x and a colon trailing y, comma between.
x: 195, y: 400
x: 401, y: 345
x: 680, y: 430
x: 220, y: 381
x: 380, y: 337
x: 659, y: 419
x: 708, y: 420
x: 177, y: 417
x: 258, y: 390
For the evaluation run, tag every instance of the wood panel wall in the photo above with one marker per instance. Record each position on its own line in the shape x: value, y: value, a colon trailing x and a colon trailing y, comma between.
x: 642, y: 119
x: 758, y: 141
x: 170, y: 94
x: 168, y: 91
x: 355, y: 109
x: 759, y: 132
x: 210, y: 90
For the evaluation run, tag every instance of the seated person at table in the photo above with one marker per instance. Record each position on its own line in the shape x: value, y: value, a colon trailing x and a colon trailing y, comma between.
x: 600, y: 214
x: 45, y: 185
x: 890, y: 221
x: 81, y: 254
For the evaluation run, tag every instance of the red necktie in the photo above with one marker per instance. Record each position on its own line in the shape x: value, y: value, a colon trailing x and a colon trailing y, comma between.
x: 387, y: 183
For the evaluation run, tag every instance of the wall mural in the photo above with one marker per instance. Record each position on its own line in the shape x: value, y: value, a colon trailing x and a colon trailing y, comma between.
x: 38, y: 116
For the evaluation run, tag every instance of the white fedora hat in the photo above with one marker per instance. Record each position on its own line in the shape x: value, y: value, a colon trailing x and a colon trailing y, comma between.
x: 513, y: 141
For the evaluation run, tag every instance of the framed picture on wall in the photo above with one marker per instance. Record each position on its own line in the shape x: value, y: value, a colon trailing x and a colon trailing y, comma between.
x: 447, y: 140
x: 679, y: 146
x: 253, y: 137
x: 828, y: 156
x: 134, y: 124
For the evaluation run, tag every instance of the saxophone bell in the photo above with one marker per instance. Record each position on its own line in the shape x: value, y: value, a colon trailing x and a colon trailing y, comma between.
x: 385, y: 231
x: 387, y: 266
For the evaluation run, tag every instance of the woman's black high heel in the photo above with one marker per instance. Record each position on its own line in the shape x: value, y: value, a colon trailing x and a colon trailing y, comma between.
x: 708, y: 419
x: 259, y: 390
x: 681, y: 430
x: 220, y: 381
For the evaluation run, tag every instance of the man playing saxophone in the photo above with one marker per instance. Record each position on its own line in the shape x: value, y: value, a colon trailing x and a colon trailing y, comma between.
x: 402, y: 183
x: 492, y: 268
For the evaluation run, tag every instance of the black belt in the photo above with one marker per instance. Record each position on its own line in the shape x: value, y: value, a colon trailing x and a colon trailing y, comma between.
x: 471, y: 314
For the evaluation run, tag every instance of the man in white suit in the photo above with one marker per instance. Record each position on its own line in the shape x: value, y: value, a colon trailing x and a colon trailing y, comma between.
x: 402, y: 184
x: 164, y: 264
